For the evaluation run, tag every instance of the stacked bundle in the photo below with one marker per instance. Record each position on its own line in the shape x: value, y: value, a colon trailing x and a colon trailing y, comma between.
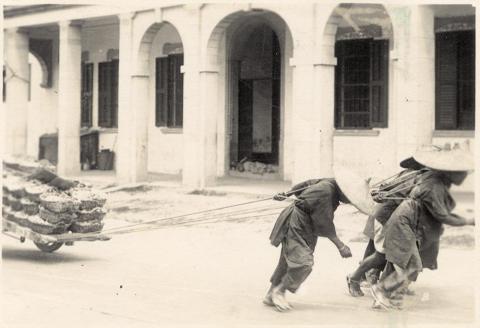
x: 48, y: 210
x: 90, y: 213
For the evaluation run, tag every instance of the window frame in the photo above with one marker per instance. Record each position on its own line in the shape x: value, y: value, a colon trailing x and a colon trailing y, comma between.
x: 169, y: 91
x: 86, y: 94
x: 454, y: 117
x: 377, y: 116
x: 108, y: 94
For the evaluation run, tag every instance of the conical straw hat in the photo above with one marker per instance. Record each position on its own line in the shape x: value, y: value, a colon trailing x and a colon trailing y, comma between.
x: 445, y: 159
x: 356, y: 188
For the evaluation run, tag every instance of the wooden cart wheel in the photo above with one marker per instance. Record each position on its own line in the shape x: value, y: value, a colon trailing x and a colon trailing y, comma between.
x: 48, y: 247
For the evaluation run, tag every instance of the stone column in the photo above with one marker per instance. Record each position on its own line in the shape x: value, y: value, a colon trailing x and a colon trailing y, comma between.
x: 414, y: 77
x: 69, y: 110
x: 207, y: 161
x: 306, y: 120
x: 131, y: 163
x: 199, y: 110
x: 324, y: 95
x: 16, y: 62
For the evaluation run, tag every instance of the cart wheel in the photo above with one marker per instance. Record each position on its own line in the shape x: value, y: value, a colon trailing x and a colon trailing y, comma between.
x: 48, y: 247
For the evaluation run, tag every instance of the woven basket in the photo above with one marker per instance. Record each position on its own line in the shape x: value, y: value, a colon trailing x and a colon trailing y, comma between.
x: 5, y: 200
x: 17, y: 192
x: 95, y: 214
x: 89, y: 200
x: 7, y: 213
x: 29, y: 207
x: 21, y: 218
x: 33, y: 192
x: 55, y: 218
x: 15, y: 203
x: 40, y: 226
x: 85, y: 227
x: 58, y: 204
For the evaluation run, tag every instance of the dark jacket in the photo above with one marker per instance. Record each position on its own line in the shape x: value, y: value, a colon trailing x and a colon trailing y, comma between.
x: 312, y: 212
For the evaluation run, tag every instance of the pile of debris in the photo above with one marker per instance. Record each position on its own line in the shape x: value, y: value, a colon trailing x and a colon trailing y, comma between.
x: 254, y: 167
x: 36, y: 198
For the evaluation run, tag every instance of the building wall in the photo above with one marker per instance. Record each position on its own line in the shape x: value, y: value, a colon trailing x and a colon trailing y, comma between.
x: 165, y: 146
x: 375, y: 152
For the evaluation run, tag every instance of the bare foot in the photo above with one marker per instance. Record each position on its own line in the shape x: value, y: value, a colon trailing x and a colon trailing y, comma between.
x: 279, y: 301
x: 267, y: 300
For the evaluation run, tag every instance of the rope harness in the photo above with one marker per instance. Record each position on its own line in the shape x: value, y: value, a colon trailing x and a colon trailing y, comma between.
x: 200, y: 217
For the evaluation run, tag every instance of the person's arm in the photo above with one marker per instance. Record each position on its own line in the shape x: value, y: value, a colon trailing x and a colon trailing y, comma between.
x: 295, y: 190
x: 322, y: 215
x: 342, y: 248
x: 435, y: 204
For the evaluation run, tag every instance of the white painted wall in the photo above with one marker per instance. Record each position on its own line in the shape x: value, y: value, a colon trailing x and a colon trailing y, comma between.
x: 165, y: 146
x: 368, y: 155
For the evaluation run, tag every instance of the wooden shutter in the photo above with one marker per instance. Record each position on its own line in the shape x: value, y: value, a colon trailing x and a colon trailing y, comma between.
x: 114, y: 93
x: 4, y: 84
x: 466, y: 80
x: 446, y: 81
x: 108, y: 94
x: 86, y: 94
x: 161, y: 97
x: 379, y: 83
x: 104, y: 95
x: 177, y: 96
x: 338, y: 84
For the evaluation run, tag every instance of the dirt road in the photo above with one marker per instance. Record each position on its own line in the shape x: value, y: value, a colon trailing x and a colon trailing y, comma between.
x: 213, y: 275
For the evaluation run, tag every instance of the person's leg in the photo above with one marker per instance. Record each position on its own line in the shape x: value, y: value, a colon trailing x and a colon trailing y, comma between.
x: 384, y: 289
x: 376, y: 260
x: 370, y: 249
x: 276, y: 278
x: 299, y: 259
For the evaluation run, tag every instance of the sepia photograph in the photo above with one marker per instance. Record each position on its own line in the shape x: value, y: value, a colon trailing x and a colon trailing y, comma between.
x: 239, y: 164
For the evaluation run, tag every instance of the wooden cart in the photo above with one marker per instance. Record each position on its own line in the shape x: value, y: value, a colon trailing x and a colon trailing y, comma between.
x: 47, y: 243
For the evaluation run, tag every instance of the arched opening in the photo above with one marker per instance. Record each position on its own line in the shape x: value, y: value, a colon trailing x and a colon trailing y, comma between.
x: 250, y: 49
x: 362, y: 42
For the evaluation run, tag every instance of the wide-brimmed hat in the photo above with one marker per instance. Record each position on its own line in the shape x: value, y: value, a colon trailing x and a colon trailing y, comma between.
x: 411, y: 163
x: 355, y: 188
x: 445, y: 158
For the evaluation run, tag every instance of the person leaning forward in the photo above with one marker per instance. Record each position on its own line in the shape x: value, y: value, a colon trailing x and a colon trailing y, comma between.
x: 412, y: 233
x: 297, y: 229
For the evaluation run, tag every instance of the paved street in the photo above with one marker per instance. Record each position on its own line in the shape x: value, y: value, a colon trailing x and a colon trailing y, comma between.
x: 213, y: 274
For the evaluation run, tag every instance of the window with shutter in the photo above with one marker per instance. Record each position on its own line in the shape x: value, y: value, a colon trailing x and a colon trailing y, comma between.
x: 86, y: 94
x: 161, y: 101
x: 361, y: 84
x: 455, y: 80
x: 169, y: 91
x: 108, y: 94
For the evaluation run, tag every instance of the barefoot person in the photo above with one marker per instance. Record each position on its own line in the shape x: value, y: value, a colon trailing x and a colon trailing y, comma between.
x: 375, y: 258
x: 297, y: 229
x: 413, y: 231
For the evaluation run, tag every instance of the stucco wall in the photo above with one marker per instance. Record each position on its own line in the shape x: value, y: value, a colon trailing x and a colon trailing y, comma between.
x: 368, y: 155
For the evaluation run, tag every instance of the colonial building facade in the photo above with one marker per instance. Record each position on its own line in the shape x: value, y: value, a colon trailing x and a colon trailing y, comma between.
x: 194, y: 89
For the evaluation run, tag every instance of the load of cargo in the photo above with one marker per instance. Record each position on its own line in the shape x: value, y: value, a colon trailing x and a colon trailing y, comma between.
x: 36, y: 198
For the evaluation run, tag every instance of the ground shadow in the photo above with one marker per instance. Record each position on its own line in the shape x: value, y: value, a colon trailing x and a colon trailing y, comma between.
x: 34, y: 255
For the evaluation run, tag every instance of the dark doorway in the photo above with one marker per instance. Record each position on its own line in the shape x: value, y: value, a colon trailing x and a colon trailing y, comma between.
x: 257, y: 77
